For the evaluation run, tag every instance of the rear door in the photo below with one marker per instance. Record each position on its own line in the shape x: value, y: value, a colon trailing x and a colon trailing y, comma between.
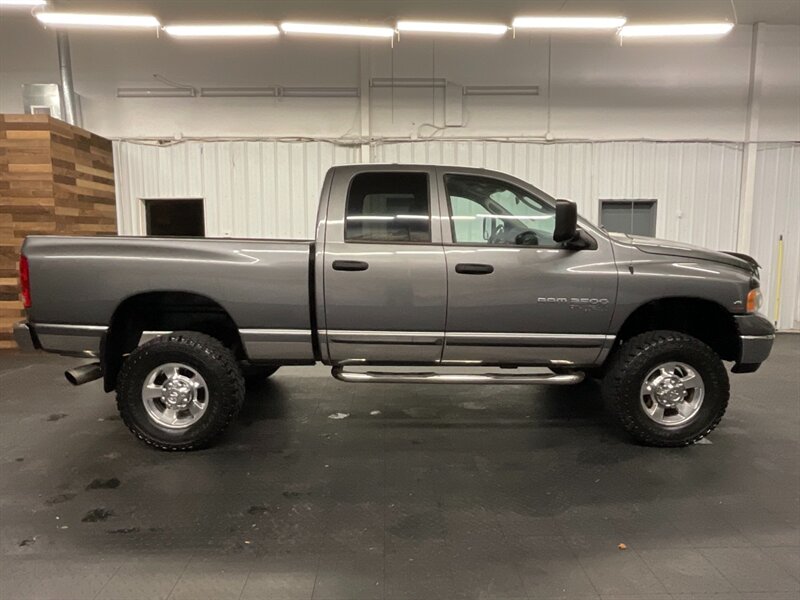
x: 385, y: 282
x: 514, y: 295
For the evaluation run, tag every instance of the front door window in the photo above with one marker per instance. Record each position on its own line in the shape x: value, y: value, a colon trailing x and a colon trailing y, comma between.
x: 491, y: 212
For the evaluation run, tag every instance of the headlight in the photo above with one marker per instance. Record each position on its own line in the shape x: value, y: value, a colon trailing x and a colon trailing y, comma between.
x: 754, y: 300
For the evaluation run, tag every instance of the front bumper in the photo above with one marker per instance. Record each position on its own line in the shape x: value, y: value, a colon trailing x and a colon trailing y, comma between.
x: 756, y: 335
x: 24, y: 336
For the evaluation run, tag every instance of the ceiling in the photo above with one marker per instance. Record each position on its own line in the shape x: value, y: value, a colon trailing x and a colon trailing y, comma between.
x: 379, y: 11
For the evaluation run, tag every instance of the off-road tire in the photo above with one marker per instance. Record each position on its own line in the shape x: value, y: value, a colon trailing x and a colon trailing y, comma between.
x: 215, y: 363
x: 631, y: 363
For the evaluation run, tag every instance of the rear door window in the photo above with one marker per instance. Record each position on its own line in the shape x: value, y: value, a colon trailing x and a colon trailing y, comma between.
x: 389, y: 207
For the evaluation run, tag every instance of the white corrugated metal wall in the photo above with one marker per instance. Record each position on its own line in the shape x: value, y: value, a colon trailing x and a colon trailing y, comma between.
x: 269, y: 188
x: 777, y: 213
x: 250, y: 188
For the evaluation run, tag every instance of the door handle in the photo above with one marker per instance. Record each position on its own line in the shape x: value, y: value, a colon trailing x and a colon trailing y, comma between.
x: 350, y: 265
x: 474, y: 269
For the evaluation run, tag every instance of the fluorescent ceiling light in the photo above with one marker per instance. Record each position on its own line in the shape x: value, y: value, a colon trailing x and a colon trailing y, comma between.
x: 447, y: 27
x: 568, y: 22
x: 219, y: 31
x: 675, y: 30
x: 91, y: 20
x: 22, y: 3
x: 345, y: 30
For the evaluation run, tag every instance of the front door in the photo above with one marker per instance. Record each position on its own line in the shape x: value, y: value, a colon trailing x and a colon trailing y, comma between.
x: 515, y: 296
x: 385, y: 282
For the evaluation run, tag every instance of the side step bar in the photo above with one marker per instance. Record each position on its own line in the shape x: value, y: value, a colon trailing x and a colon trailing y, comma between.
x: 431, y: 377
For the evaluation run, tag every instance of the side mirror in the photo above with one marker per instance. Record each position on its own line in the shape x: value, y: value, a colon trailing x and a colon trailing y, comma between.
x: 566, y: 228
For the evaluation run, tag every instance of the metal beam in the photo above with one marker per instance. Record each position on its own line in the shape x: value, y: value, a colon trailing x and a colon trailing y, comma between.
x: 747, y: 186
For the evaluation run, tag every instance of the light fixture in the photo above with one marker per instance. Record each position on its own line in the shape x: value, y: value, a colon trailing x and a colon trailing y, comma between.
x: 501, y: 90
x: 341, y: 30
x: 318, y: 92
x: 60, y: 19
x: 568, y: 22
x: 21, y: 3
x: 222, y: 31
x: 408, y: 82
x: 675, y: 30
x: 447, y: 27
x: 165, y: 92
x: 239, y: 92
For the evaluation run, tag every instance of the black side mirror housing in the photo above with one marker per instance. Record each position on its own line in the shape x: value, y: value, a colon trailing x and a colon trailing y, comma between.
x: 566, y: 228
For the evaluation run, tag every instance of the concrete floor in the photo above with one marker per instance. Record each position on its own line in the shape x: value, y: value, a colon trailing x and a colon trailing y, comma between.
x: 446, y: 492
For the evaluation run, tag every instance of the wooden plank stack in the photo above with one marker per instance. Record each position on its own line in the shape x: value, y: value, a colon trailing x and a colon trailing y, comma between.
x: 54, y: 179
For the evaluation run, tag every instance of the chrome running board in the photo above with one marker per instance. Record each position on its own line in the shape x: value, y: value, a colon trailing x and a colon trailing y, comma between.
x: 432, y: 377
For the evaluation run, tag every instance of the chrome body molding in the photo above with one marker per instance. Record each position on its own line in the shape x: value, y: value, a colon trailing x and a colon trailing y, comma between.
x: 68, y: 339
x: 563, y: 340
x: 385, y: 337
x: 278, y: 345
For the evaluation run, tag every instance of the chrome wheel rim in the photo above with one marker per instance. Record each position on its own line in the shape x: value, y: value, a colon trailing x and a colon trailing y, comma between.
x: 672, y: 394
x: 175, y: 395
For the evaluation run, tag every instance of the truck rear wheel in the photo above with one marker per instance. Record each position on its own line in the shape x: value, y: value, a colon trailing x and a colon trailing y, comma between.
x: 180, y: 391
x: 667, y: 388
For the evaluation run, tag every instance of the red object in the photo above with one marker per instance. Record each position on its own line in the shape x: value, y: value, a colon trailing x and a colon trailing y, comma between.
x: 25, y: 281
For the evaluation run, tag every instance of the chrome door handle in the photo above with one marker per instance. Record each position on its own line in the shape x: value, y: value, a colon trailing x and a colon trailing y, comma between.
x: 474, y: 269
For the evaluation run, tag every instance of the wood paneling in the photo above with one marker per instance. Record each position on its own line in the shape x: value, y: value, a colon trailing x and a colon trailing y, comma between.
x: 54, y: 179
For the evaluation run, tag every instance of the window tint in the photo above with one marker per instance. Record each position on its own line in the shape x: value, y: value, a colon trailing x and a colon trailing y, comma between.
x: 489, y: 211
x: 388, y: 207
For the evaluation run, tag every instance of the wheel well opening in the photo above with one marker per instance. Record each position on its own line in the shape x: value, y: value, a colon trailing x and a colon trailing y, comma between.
x: 164, y: 311
x: 707, y: 321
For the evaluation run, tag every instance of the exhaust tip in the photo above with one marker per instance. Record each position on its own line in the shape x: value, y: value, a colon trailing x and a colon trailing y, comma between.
x: 84, y: 374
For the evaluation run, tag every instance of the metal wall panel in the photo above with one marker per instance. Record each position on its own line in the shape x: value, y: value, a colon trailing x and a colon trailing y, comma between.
x: 250, y: 188
x: 696, y: 185
x: 270, y: 188
x: 777, y: 213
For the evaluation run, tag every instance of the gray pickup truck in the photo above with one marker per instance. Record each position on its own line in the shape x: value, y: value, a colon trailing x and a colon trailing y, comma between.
x: 430, y: 269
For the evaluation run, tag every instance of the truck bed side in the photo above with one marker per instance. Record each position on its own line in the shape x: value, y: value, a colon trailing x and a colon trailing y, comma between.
x: 78, y: 283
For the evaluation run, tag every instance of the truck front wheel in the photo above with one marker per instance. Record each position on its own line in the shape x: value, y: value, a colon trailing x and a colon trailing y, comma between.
x: 667, y: 388
x: 180, y: 391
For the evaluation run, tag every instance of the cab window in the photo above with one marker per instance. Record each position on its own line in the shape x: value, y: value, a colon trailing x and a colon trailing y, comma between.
x: 488, y: 211
x: 391, y: 207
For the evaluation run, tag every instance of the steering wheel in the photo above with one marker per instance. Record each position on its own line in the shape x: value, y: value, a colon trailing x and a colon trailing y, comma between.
x: 527, y: 238
x: 498, y: 227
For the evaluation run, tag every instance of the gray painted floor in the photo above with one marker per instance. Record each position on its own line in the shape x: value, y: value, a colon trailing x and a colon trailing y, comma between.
x: 447, y: 492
